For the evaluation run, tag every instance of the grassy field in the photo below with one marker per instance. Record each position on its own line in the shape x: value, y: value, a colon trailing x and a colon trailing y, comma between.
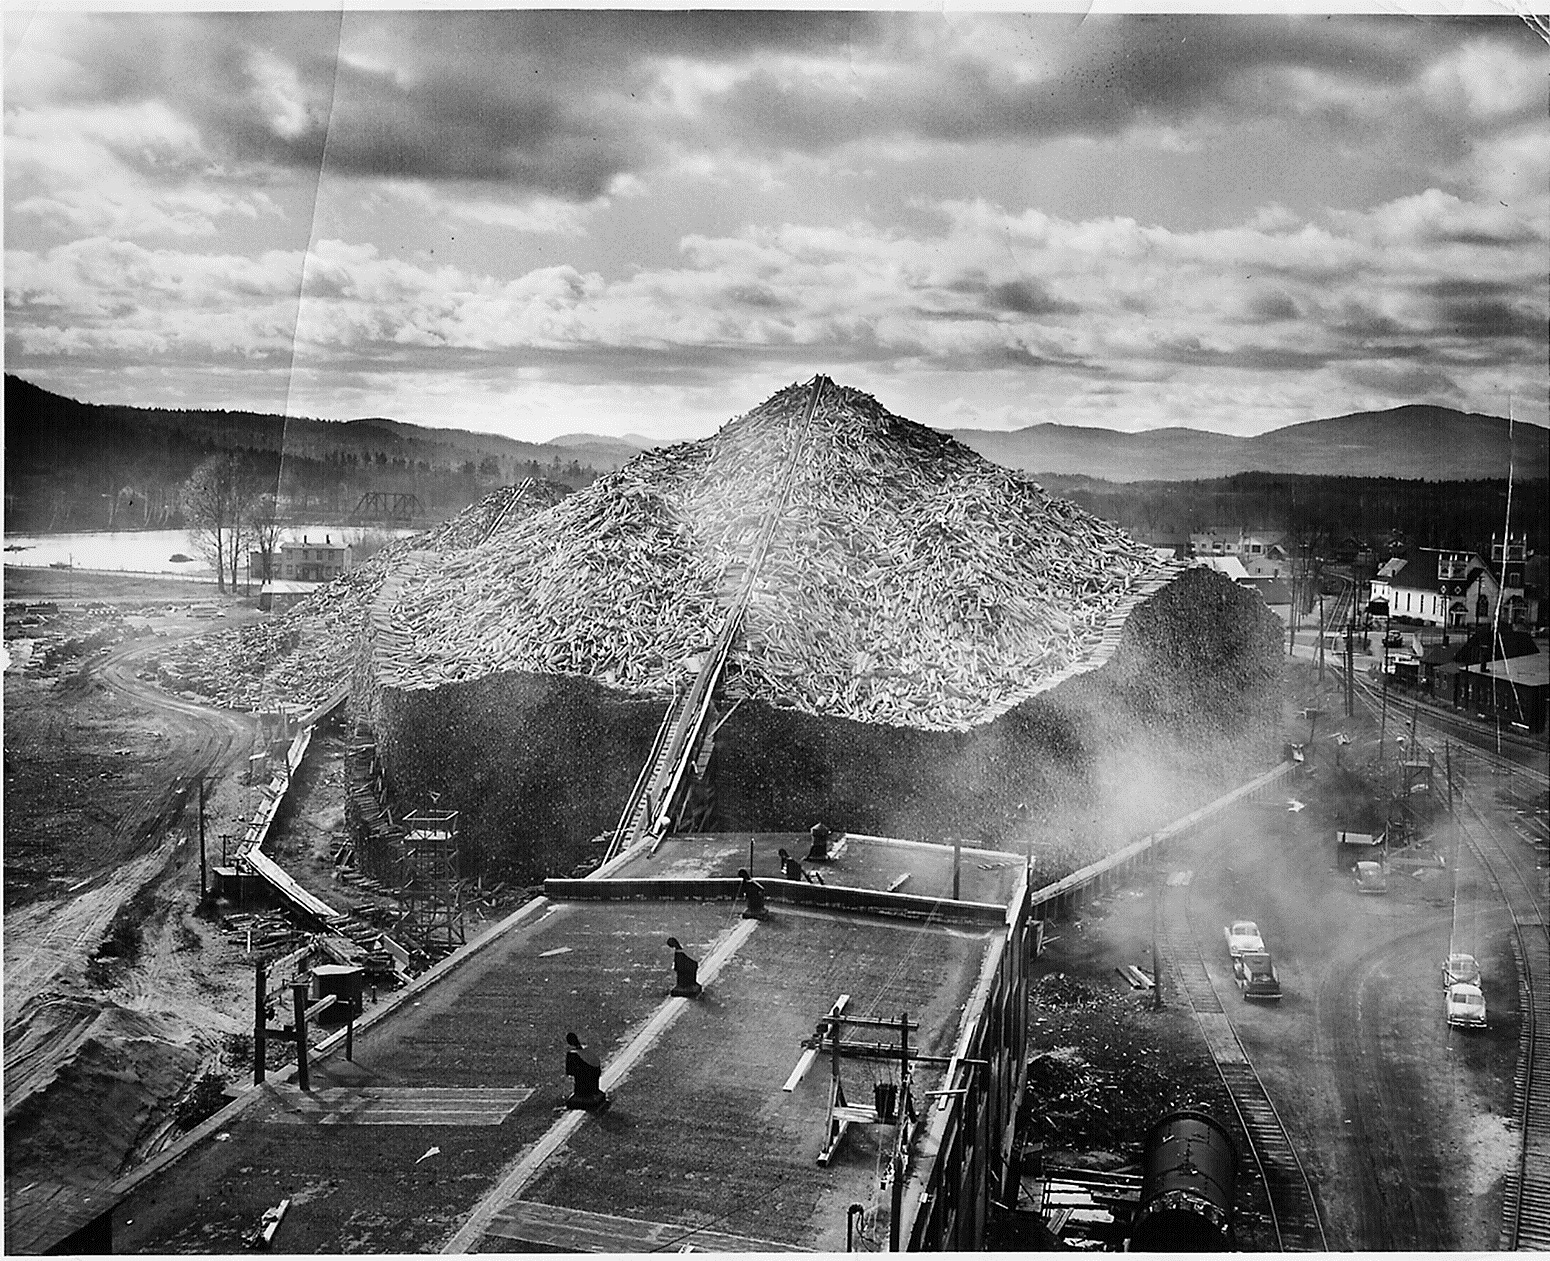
x: 27, y: 583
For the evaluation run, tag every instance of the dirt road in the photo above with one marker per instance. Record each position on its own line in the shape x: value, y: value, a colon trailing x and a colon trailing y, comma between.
x: 47, y: 937
x: 115, y: 991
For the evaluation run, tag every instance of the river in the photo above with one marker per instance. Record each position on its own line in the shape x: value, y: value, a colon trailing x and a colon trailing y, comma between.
x: 146, y: 551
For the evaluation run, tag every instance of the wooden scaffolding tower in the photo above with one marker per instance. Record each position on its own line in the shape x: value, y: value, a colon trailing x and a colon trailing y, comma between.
x: 433, y: 890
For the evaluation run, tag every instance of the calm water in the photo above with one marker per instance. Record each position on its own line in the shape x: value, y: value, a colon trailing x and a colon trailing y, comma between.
x: 140, y: 551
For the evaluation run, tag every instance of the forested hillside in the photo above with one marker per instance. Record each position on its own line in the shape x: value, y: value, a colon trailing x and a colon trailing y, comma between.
x: 84, y: 466
x: 1320, y: 511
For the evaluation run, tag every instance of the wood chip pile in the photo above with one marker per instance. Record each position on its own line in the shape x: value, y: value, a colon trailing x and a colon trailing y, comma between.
x: 300, y: 655
x: 909, y: 581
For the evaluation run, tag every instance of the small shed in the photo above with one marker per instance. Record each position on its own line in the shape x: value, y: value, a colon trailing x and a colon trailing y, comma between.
x: 282, y: 594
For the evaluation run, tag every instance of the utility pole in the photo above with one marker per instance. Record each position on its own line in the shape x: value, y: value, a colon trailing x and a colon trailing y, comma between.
x: 260, y: 1020
x: 1157, y: 998
x: 1321, y: 639
x: 1383, y: 718
x: 1291, y: 630
x: 1350, y: 662
x: 204, y: 878
x: 299, y: 1006
x: 900, y: 1156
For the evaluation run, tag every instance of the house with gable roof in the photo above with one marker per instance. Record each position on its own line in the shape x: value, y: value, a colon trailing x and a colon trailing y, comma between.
x: 1437, y: 587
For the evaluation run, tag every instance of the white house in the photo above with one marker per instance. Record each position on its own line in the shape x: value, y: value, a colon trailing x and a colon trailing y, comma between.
x: 1246, y: 545
x: 1437, y: 587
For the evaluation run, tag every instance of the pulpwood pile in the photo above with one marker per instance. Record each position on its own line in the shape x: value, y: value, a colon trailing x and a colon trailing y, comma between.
x: 301, y: 655
x: 908, y: 581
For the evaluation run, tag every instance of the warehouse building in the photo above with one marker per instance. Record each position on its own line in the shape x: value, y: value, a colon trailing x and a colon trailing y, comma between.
x: 734, y: 1123
x: 1512, y: 690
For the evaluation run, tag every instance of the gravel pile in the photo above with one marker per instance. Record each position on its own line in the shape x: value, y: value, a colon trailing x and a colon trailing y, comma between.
x: 908, y: 580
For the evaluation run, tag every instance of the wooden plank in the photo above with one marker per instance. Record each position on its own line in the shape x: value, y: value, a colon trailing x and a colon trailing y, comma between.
x: 808, y: 1056
x: 388, y: 1105
x: 856, y: 1115
x: 572, y: 1230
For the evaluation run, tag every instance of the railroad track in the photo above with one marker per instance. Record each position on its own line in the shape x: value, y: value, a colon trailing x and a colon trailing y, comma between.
x: 1292, y: 1210
x: 1459, y: 730
x: 1526, y: 1202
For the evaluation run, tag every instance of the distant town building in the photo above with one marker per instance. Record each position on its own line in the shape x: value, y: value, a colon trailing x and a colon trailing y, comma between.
x: 278, y: 595
x: 1437, y: 587
x: 1512, y: 690
x: 1351, y: 550
x: 1275, y: 591
x: 1509, y: 562
x: 1536, y: 570
x: 1273, y: 562
x: 1229, y: 566
x: 306, y: 561
x: 1277, y: 595
x: 1246, y: 545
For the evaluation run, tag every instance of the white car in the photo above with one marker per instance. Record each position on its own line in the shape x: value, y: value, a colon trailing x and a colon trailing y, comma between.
x: 1460, y: 970
x: 1243, y: 938
x: 1465, y: 1006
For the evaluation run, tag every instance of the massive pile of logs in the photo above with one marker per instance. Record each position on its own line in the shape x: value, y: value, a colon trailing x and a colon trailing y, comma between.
x: 298, y: 657
x: 908, y: 581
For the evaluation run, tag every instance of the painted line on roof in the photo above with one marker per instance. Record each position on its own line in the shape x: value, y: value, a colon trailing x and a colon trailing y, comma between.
x: 1009, y: 858
x: 527, y: 1166
x: 380, y: 1011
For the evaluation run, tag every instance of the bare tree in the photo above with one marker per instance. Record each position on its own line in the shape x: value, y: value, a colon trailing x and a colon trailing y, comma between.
x: 265, y: 529
x: 367, y: 543
x: 216, y: 500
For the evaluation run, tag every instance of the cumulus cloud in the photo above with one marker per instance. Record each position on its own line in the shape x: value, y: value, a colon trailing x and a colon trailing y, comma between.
x: 671, y: 200
x: 957, y: 300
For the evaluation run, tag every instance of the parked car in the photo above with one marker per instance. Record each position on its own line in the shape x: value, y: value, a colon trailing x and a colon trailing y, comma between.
x: 1256, y: 976
x: 1371, y: 878
x: 1465, y: 1007
x: 1460, y: 970
x: 1243, y: 937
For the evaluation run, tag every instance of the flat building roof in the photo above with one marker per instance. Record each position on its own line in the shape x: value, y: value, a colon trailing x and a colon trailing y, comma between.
x: 449, y: 1127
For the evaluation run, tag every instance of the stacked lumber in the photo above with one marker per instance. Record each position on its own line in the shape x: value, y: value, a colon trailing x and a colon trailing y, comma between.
x: 299, y: 656
x: 908, y: 581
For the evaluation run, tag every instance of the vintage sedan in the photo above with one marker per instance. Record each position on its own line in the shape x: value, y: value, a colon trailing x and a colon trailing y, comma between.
x: 1257, y: 977
x: 1460, y: 970
x: 1243, y: 938
x: 1465, y: 1007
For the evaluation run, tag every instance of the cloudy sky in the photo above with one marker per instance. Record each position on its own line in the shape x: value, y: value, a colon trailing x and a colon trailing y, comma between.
x: 544, y: 222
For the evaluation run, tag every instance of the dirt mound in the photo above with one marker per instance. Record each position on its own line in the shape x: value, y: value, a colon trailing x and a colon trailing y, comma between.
x: 907, y: 580
x: 1058, y: 1070
x: 1060, y: 990
x: 83, y: 1125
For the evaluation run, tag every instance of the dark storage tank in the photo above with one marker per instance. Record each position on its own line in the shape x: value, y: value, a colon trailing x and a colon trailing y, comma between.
x: 1188, y: 1172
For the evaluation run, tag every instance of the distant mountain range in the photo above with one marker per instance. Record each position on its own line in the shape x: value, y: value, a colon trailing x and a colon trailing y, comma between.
x: 1415, y: 442
x: 80, y: 465
x: 73, y: 465
x: 600, y: 452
